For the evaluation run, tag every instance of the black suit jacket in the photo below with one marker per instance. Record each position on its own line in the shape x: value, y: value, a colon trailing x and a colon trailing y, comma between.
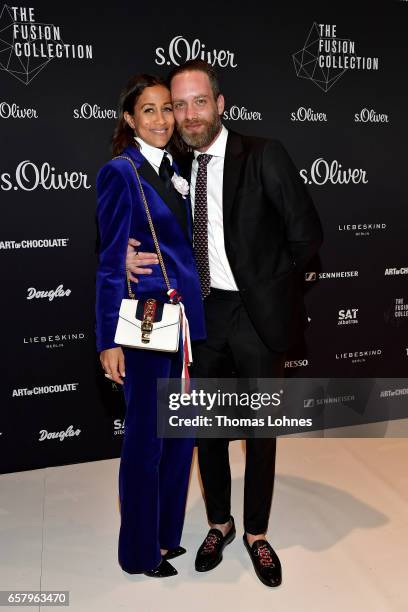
x: 271, y: 231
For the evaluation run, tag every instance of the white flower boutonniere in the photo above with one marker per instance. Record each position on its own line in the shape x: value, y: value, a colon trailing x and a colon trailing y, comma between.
x: 180, y: 185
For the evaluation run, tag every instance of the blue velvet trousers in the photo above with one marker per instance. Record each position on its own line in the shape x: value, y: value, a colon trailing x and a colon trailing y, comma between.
x: 154, y: 472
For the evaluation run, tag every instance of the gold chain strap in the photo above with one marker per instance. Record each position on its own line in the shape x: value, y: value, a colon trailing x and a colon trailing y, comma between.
x: 149, y: 219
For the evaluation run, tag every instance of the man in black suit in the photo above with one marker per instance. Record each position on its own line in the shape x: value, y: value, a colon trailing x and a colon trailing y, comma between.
x: 255, y: 229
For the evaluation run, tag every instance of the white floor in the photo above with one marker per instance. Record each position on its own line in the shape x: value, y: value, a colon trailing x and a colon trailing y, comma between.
x: 339, y: 523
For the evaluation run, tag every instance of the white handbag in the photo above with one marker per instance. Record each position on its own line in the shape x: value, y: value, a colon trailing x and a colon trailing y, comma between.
x: 150, y: 324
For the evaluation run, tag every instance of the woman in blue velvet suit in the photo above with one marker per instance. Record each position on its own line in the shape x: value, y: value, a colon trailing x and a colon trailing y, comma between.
x: 154, y: 472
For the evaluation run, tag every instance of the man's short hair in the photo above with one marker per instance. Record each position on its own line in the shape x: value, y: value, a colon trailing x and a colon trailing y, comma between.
x: 198, y: 65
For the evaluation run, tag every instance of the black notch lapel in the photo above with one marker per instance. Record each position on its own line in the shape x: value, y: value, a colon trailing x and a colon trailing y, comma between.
x: 175, y: 202
x: 233, y: 161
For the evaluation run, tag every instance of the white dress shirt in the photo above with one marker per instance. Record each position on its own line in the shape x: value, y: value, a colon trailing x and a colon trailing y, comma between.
x: 153, y: 155
x: 220, y: 270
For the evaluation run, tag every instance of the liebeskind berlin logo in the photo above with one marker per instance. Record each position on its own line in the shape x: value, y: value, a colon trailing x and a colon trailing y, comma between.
x: 27, y: 46
x: 360, y: 356
x: 181, y: 50
x: 57, y: 340
x: 44, y: 390
x: 324, y: 58
x: 361, y: 229
x: 70, y: 432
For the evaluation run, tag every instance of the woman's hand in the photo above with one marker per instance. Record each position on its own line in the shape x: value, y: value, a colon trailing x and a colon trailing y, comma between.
x: 136, y: 261
x: 113, y: 362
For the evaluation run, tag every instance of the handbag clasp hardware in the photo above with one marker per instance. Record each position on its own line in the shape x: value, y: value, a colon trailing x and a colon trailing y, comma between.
x: 148, y: 318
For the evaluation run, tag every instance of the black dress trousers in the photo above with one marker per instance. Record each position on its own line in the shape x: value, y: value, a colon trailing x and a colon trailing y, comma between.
x: 233, y: 348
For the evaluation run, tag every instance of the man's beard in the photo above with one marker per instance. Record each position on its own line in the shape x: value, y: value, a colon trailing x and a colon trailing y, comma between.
x: 202, y: 139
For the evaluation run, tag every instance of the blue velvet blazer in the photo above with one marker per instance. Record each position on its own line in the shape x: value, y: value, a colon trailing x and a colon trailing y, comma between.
x: 121, y: 214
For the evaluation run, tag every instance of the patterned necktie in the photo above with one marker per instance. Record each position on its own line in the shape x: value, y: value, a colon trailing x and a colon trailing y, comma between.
x: 166, y: 172
x: 200, y: 231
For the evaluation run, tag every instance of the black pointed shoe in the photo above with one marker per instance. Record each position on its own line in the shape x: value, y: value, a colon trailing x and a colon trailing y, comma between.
x: 265, y: 561
x: 163, y: 570
x: 172, y: 553
x: 209, y: 555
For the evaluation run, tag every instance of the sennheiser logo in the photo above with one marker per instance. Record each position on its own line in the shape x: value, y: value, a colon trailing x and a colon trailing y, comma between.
x: 312, y: 402
x: 41, y: 243
x: 28, y: 177
x: 13, y: 111
x: 45, y: 390
x: 93, y: 111
x: 50, y: 295
x: 70, y: 432
x: 181, y: 50
x: 28, y: 46
x: 235, y: 113
x: 348, y: 316
x: 395, y: 271
x: 323, y: 172
x: 309, y: 115
x: 370, y: 116
x: 324, y: 57
x: 313, y: 276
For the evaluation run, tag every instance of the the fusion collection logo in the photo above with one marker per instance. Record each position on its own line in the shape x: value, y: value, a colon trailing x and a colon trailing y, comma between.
x: 324, y: 57
x: 27, y: 46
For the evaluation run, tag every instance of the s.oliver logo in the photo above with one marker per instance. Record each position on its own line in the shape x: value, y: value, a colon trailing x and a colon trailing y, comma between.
x: 181, y: 50
x: 28, y: 177
x: 13, y: 111
x: 323, y: 172
x: 93, y: 111
x: 30, y: 45
x: 235, y: 113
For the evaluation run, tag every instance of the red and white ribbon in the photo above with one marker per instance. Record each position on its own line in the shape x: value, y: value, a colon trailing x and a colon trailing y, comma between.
x: 175, y: 298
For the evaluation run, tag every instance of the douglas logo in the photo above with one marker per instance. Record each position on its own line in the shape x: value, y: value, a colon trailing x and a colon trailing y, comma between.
x: 32, y: 293
x: 28, y: 177
x: 180, y: 51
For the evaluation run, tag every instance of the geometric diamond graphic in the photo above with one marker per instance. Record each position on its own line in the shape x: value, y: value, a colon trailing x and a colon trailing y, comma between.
x: 22, y: 68
x: 307, y: 65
